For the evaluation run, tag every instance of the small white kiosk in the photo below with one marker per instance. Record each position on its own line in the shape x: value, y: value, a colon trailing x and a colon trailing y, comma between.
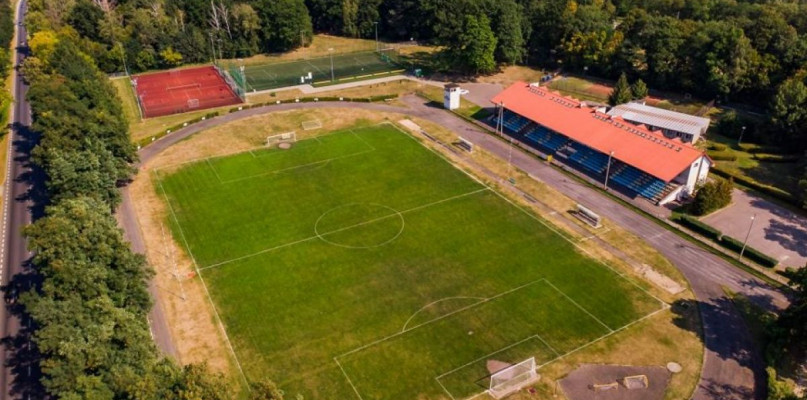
x: 451, y: 96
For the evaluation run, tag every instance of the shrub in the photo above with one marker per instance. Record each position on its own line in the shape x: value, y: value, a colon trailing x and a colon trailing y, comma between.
x: 777, y: 158
x: 731, y: 125
x: 722, y: 155
x: 756, y: 148
x: 700, y: 227
x: 769, y: 190
x: 718, y: 147
x: 712, y: 196
x: 750, y: 252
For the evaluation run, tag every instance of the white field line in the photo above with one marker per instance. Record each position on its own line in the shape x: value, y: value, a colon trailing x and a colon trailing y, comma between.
x: 200, y: 159
x: 348, y: 378
x: 370, y: 221
x: 204, y: 285
x: 282, y: 170
x: 459, y: 310
x: 438, y: 301
x: 579, y: 306
x: 444, y: 389
x: 606, y: 230
x: 315, y: 67
x: 509, y: 346
x: 209, y: 164
x: 583, y: 346
x: 544, y: 223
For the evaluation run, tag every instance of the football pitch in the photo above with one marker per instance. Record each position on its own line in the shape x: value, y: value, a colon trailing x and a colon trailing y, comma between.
x: 272, y: 76
x: 361, y: 265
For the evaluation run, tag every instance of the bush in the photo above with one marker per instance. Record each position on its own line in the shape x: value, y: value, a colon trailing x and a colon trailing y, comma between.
x: 777, y: 158
x: 731, y: 125
x: 768, y: 190
x: 756, y: 148
x: 718, y: 147
x: 750, y: 252
x: 722, y: 155
x: 712, y: 196
x: 700, y: 227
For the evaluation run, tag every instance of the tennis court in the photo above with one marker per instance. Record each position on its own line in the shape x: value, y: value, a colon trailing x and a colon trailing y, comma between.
x: 178, y: 91
x: 345, y: 66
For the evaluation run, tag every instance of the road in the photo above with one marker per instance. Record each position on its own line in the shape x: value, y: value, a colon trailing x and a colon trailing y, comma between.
x: 732, y: 368
x: 16, y: 205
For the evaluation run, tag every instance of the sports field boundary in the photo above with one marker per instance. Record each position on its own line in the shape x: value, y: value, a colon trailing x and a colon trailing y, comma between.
x: 484, y: 187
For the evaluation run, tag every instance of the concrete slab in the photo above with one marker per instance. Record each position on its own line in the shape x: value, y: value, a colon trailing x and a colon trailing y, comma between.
x: 777, y: 231
x: 579, y: 384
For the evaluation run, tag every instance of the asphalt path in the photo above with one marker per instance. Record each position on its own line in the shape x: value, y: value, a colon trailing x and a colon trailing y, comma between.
x: 16, y: 203
x: 732, y: 369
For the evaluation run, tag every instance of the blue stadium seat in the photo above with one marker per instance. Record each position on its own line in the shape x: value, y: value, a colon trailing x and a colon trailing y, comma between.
x: 637, y: 181
x: 588, y: 158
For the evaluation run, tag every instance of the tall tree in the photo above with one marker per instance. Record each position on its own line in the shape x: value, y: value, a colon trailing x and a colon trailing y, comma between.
x: 789, y: 112
x: 475, y: 46
x: 283, y: 24
x: 621, y: 93
x: 638, y: 90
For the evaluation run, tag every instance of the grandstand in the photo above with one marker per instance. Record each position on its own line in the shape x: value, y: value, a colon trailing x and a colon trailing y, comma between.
x: 643, y: 163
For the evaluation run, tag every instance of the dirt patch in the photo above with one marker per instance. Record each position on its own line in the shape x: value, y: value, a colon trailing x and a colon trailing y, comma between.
x: 194, y: 328
x: 580, y: 384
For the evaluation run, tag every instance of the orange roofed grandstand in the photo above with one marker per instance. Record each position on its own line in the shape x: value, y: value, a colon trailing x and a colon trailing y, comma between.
x: 634, y: 145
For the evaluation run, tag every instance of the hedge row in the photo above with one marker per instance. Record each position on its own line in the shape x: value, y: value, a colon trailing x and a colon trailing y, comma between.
x: 726, y: 241
x: 777, y: 158
x: 372, y: 99
x: 750, y: 252
x: 718, y: 147
x: 700, y: 227
x: 768, y: 190
x: 756, y: 148
x: 722, y: 155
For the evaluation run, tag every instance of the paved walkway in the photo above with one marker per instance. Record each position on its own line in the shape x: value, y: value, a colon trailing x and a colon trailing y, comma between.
x: 309, y: 89
x: 777, y: 231
x: 732, y: 368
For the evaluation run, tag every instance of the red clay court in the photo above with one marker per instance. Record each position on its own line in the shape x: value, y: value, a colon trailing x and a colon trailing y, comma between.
x: 183, y: 90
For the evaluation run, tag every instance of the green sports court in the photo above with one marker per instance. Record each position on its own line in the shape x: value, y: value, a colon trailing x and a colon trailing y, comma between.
x: 315, y: 70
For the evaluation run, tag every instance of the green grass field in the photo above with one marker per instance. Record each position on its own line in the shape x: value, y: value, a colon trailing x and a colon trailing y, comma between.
x: 362, y: 265
x: 271, y: 76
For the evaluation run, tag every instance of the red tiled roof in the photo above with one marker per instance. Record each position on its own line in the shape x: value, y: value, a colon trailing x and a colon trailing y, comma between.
x: 634, y: 145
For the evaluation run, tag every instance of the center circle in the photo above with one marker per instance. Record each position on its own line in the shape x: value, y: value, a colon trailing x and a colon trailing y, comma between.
x: 360, y: 225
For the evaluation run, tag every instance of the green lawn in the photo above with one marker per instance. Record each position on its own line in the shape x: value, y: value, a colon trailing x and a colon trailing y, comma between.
x: 351, y: 65
x: 362, y: 265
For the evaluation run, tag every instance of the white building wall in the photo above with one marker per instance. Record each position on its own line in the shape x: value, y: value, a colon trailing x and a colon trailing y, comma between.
x: 697, y: 173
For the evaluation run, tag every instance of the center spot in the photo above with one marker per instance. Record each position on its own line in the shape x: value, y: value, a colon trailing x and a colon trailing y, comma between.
x: 359, y: 225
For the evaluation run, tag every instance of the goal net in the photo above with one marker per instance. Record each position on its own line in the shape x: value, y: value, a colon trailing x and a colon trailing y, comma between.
x: 636, y: 382
x: 513, y: 378
x: 193, y: 103
x: 288, y: 137
x: 312, y: 124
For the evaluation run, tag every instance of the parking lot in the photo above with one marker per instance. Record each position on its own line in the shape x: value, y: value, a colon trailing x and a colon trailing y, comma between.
x: 776, y: 231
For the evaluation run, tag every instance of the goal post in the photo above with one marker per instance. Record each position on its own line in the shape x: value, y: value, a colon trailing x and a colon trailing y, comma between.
x: 286, y: 137
x: 513, y: 378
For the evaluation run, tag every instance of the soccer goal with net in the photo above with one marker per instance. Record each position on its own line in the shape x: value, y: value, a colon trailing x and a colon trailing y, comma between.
x: 287, y: 137
x: 312, y: 124
x: 513, y: 378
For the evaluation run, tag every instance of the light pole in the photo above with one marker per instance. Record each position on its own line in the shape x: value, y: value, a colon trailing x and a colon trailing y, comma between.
x: 376, y: 35
x: 608, y: 170
x: 212, y: 48
x: 742, y: 132
x: 753, y: 218
x: 330, y: 51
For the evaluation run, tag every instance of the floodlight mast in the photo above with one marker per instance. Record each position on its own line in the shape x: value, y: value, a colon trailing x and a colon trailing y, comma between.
x: 330, y: 51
